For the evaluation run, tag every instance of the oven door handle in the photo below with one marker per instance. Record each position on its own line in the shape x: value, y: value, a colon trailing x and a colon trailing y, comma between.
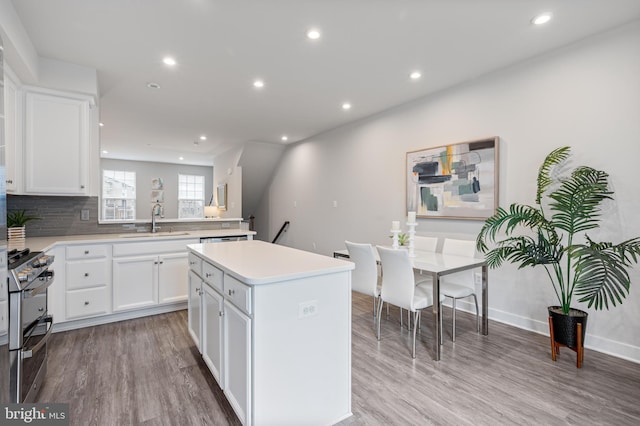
x: 48, y: 280
x: 28, y: 353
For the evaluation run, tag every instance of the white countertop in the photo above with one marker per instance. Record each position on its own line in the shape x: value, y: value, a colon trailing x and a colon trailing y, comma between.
x: 258, y: 262
x: 46, y: 243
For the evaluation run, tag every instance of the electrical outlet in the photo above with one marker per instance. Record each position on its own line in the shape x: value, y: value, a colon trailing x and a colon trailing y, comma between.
x: 84, y: 214
x: 307, y: 309
x: 477, y: 277
x: 226, y: 225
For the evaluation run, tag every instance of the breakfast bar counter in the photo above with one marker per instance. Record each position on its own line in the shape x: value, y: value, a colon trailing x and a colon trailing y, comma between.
x: 273, y: 325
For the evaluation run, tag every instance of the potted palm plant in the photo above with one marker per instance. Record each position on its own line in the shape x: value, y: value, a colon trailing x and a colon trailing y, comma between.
x: 16, y: 221
x: 553, y: 234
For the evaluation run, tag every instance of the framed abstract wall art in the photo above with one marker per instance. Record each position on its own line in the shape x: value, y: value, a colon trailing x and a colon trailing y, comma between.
x: 457, y: 181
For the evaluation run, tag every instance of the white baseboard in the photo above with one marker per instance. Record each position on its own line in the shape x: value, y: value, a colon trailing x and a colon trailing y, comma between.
x: 596, y: 343
x: 120, y: 316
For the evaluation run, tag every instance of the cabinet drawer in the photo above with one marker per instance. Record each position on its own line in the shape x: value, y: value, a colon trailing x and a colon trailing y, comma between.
x: 90, y: 273
x: 87, y: 251
x: 212, y: 275
x: 237, y: 293
x: 87, y: 302
x: 195, y: 264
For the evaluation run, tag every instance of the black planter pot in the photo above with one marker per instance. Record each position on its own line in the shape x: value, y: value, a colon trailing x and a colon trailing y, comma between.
x: 565, y: 327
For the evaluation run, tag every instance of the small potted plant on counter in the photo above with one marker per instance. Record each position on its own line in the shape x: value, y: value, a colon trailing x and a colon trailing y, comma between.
x: 16, y: 224
x: 553, y: 234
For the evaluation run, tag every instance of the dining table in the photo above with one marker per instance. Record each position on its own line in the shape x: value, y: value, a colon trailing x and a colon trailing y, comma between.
x: 439, y: 265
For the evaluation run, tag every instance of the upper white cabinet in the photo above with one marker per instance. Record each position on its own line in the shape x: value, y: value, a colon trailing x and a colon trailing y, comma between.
x: 57, y: 142
x: 12, y: 131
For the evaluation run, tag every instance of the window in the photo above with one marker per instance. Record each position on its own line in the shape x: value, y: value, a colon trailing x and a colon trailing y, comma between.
x: 118, y: 195
x: 190, y: 196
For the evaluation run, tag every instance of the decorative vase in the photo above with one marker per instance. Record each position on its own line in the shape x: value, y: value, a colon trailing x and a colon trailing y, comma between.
x: 16, y: 237
x: 16, y: 233
x: 565, y: 327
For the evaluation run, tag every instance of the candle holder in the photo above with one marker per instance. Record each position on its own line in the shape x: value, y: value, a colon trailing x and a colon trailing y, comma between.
x: 395, y: 233
x: 411, y: 226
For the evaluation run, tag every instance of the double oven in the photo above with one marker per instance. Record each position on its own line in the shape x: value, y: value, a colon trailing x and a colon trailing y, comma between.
x: 29, y: 325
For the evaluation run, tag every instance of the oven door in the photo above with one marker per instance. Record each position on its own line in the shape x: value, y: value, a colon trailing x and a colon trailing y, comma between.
x: 34, y: 356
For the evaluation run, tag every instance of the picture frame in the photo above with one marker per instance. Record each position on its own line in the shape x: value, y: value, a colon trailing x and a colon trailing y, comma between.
x: 221, y: 196
x: 455, y: 181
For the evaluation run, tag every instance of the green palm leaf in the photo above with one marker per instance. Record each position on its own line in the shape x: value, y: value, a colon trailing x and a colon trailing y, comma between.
x: 556, y: 157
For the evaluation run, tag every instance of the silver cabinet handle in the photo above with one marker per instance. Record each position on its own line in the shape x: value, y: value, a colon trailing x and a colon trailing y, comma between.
x: 207, y: 275
x: 81, y: 186
x: 86, y: 274
x: 40, y: 309
x: 86, y: 252
x: 86, y: 302
x: 192, y: 263
x: 231, y: 292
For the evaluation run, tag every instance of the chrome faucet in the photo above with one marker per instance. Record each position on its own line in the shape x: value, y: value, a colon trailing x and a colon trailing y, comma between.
x: 154, y: 228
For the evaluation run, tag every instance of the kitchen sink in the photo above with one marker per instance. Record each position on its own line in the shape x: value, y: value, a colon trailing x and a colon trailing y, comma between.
x: 152, y: 234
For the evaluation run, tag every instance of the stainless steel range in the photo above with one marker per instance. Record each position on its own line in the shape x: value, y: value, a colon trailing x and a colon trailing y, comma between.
x: 29, y: 323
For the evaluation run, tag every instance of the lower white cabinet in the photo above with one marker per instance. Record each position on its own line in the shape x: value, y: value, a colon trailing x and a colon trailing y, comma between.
x: 142, y: 281
x: 237, y: 366
x: 194, y: 306
x: 212, y: 332
x: 135, y: 282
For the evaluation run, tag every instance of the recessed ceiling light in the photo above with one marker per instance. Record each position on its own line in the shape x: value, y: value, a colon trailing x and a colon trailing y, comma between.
x: 284, y: 138
x: 415, y: 75
x: 101, y: 124
x: 258, y: 84
x: 203, y: 138
x: 152, y: 85
x: 313, y: 34
x: 180, y: 158
x: 346, y: 106
x: 543, y: 18
x: 104, y: 151
x: 168, y: 60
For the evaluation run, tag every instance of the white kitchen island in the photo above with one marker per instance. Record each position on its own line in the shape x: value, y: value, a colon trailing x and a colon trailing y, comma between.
x: 273, y: 325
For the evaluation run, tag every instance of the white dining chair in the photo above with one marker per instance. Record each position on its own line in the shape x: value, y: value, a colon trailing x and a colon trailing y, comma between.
x: 425, y: 243
x: 364, y: 278
x: 459, y: 285
x: 399, y: 288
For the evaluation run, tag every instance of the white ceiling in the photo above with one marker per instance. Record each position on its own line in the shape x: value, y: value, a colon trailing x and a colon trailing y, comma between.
x: 365, y: 55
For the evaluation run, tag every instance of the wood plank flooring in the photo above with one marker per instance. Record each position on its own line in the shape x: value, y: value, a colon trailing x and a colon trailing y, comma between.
x: 148, y: 372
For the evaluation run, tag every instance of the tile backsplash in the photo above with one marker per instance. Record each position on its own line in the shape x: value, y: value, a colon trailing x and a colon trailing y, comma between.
x: 62, y: 216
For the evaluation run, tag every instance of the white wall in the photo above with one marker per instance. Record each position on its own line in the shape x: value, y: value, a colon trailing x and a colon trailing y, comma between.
x: 147, y: 170
x: 586, y: 95
x: 226, y: 170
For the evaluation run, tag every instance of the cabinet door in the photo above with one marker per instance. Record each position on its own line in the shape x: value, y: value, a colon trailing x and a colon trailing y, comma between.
x: 56, y: 144
x: 172, y: 278
x: 212, y: 320
x: 134, y: 282
x: 13, y: 135
x: 194, y: 308
x: 237, y: 357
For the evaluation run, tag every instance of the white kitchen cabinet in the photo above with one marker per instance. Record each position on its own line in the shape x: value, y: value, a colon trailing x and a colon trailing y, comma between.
x: 172, y: 286
x: 57, y: 142
x: 87, y: 280
x: 194, y: 307
x: 212, y: 332
x: 149, y: 273
x: 13, y: 132
x: 135, y: 282
x: 237, y: 357
x: 286, y: 332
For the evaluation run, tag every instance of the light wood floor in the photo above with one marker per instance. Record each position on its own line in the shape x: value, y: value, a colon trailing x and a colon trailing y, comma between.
x: 147, y: 371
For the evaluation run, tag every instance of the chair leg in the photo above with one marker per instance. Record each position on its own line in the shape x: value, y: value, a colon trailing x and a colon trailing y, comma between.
x: 401, y: 313
x: 380, y: 303
x: 477, y: 313
x: 441, y: 341
x: 416, y: 317
x: 375, y: 307
x: 453, y: 328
